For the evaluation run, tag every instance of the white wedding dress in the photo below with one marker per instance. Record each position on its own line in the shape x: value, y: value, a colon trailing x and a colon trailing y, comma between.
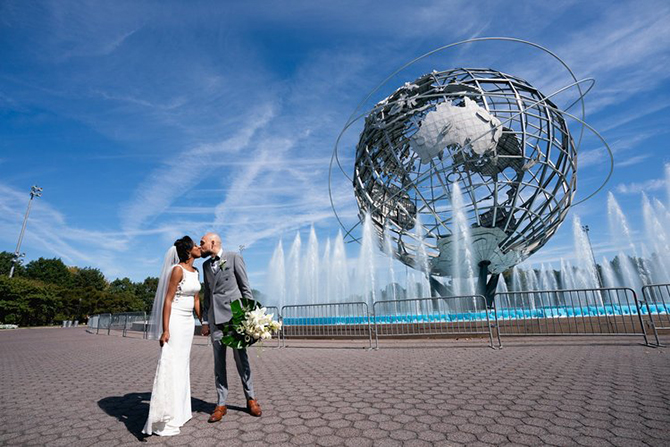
x: 170, y: 405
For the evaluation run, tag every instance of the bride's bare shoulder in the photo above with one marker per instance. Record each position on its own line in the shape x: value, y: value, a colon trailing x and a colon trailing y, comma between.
x: 177, y: 272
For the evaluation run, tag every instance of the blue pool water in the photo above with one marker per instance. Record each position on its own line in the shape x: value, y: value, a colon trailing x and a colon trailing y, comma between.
x: 503, y: 314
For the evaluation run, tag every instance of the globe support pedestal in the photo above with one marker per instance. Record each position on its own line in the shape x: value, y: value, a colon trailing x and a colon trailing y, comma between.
x: 486, y: 286
x: 438, y: 289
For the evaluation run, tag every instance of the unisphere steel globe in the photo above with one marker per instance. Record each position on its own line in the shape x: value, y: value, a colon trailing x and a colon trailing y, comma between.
x: 472, y: 144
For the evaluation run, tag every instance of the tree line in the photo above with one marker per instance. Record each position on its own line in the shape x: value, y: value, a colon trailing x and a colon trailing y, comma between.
x: 46, y: 291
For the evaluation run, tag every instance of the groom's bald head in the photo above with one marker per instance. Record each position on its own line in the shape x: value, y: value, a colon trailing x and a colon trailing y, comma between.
x: 210, y: 244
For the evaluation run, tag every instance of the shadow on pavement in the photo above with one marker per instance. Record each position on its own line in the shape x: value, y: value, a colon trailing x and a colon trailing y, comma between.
x: 133, y: 408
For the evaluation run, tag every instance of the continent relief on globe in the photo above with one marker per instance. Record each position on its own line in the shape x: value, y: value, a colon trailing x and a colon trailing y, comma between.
x: 461, y: 126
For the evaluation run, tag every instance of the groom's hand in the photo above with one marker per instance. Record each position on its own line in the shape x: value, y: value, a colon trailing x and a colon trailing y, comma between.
x: 205, y: 330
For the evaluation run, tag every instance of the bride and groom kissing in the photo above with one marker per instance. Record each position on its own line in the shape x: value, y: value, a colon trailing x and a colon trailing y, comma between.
x: 172, y: 323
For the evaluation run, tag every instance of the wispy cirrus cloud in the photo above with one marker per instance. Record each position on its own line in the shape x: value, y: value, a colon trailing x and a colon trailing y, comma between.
x: 640, y: 187
x: 76, y: 30
x: 184, y: 171
x: 592, y: 157
x: 634, y: 160
x: 50, y: 234
x: 629, y: 37
x: 224, y: 118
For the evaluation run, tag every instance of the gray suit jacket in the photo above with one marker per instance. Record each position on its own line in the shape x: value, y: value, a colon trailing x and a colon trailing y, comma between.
x: 223, y: 287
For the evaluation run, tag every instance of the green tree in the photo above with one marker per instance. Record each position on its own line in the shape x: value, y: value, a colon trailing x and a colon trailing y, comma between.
x: 88, y: 277
x: 47, y: 292
x: 118, y: 302
x: 28, y: 302
x: 146, y: 291
x: 75, y: 303
x: 43, y: 305
x: 122, y: 296
x: 13, y: 308
x: 124, y: 285
x: 6, y: 264
x: 49, y: 271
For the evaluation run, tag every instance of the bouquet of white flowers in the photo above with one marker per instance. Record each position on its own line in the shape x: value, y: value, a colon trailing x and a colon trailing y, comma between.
x: 258, y: 325
x: 250, y: 323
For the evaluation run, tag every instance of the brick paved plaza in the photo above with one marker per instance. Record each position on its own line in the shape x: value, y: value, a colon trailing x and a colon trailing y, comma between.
x: 68, y: 387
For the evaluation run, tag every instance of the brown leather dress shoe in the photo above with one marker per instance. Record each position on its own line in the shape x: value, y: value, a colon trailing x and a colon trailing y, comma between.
x: 254, y: 408
x: 219, y: 412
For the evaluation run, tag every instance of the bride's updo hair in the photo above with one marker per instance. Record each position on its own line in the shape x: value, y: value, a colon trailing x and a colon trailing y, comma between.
x: 184, y: 247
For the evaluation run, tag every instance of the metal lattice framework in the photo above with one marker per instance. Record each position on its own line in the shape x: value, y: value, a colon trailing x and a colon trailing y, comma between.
x: 467, y: 148
x: 504, y: 143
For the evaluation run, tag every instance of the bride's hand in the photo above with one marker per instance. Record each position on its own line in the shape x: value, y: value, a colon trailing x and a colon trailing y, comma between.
x: 164, y: 338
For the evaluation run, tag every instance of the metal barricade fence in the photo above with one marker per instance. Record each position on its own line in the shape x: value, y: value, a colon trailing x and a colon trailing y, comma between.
x: 92, y: 325
x: 331, y: 320
x: 657, y: 301
x: 276, y: 317
x: 446, y: 315
x: 603, y: 311
x: 117, y: 323
x: 130, y: 323
x: 598, y: 311
x: 104, y: 321
x: 135, y: 323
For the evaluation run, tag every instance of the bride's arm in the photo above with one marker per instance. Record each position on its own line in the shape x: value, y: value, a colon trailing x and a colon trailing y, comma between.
x: 175, y: 278
x: 196, y: 305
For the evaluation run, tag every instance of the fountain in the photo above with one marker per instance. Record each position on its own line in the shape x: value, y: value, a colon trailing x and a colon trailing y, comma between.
x: 375, y: 273
x: 339, y: 271
x: 293, y: 276
x: 310, y: 271
x: 324, y: 274
x: 277, y: 277
x: 609, y: 278
x: 463, y: 271
x: 365, y: 271
x: 390, y: 254
x: 462, y: 175
x: 657, y: 236
x: 620, y: 236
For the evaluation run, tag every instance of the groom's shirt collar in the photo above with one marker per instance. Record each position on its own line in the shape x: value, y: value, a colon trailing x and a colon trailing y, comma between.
x: 218, y: 255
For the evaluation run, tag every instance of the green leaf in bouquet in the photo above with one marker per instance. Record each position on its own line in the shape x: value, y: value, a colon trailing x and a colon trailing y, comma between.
x: 239, y: 309
x: 228, y: 340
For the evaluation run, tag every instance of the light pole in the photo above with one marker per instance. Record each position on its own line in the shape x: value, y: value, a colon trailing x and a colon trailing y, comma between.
x: 585, y: 228
x: 241, y: 248
x: 35, y: 191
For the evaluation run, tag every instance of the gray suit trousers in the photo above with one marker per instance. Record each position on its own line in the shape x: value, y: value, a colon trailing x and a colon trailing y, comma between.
x: 243, y: 368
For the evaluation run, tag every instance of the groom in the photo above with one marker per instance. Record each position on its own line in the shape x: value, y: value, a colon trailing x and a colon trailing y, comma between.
x: 225, y: 281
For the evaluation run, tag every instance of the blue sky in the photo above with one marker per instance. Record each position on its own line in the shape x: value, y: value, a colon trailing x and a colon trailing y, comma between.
x: 147, y: 120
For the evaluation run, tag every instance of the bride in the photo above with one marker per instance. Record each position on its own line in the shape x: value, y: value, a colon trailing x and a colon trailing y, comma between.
x: 172, y: 323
